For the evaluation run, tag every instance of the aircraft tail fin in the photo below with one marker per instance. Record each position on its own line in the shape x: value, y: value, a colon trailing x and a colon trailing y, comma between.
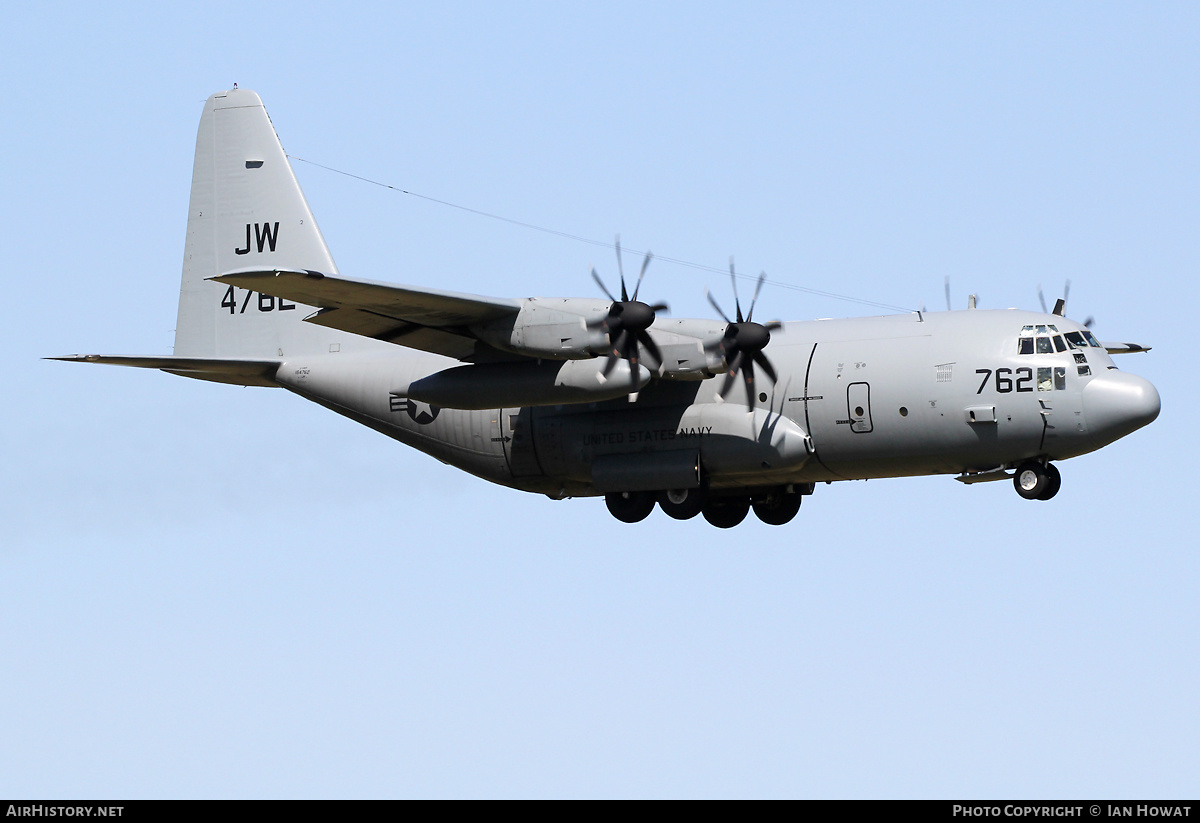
x: 246, y: 209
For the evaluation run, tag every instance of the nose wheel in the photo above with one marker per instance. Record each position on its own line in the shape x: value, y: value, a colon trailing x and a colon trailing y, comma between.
x: 1037, y: 481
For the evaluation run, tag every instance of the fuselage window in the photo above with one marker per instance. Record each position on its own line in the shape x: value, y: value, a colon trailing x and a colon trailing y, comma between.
x: 1060, y: 379
x: 1059, y: 344
x: 1043, y: 346
x: 1092, y: 341
x: 1044, y: 379
x: 1025, y: 345
x: 1076, y: 339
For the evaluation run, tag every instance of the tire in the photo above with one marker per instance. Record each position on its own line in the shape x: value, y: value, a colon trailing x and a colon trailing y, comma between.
x: 630, y: 507
x: 1055, y: 482
x: 682, y: 504
x: 1032, y: 480
x: 726, y: 512
x: 778, y: 507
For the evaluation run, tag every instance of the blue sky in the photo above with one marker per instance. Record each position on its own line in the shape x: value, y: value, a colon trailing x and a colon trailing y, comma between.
x: 215, y: 591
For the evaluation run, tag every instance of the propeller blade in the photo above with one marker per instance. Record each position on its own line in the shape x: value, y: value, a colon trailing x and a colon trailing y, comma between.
x: 651, y: 347
x: 1091, y: 321
x: 713, y: 301
x: 761, y: 359
x: 773, y: 325
x: 737, y: 304
x: 657, y: 307
x: 621, y: 270
x: 603, y: 287
x: 757, y: 288
x: 610, y: 363
x: 947, y: 292
x: 726, y: 385
x: 1066, y: 294
x: 642, y: 273
x: 1042, y: 300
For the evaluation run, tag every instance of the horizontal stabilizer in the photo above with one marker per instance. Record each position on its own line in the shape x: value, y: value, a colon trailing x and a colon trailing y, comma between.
x: 238, y: 372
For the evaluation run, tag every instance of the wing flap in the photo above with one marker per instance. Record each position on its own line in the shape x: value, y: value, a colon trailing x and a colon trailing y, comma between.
x: 454, y: 344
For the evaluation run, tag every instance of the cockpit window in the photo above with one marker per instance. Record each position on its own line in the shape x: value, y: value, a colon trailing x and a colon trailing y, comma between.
x: 1046, y: 339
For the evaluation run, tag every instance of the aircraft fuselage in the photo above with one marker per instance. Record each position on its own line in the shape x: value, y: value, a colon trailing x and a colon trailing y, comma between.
x: 931, y: 393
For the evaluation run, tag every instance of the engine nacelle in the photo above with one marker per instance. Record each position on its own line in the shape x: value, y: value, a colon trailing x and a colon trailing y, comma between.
x: 531, y: 383
x: 556, y: 329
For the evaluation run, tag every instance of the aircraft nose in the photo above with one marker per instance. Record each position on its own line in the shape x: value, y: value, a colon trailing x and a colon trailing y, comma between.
x: 1117, y: 403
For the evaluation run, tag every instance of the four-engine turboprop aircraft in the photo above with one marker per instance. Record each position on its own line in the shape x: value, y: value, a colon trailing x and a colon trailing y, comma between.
x: 575, y: 397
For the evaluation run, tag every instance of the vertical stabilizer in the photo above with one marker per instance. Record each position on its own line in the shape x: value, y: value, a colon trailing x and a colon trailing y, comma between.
x: 246, y: 211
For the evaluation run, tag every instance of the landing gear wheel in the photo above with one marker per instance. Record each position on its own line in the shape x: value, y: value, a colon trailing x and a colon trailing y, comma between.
x: 1055, y: 482
x: 726, y: 512
x: 1035, y: 481
x: 778, y: 507
x: 682, y: 504
x: 630, y: 507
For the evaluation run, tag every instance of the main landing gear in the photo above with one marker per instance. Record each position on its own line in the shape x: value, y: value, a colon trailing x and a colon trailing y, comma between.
x: 630, y: 507
x: 774, y: 506
x: 1037, y: 481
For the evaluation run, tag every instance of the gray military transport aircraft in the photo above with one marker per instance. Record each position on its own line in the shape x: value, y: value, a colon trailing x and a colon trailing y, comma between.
x: 578, y: 397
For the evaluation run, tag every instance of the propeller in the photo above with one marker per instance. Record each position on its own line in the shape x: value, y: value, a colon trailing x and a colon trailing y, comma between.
x: 627, y: 321
x: 742, y: 344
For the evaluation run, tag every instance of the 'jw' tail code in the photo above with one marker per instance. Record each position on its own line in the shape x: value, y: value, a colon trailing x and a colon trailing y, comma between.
x: 264, y: 234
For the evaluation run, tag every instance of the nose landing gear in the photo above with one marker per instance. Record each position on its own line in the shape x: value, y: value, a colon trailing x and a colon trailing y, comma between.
x: 1037, y: 481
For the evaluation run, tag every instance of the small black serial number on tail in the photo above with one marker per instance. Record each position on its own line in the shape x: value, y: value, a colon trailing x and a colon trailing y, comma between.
x: 265, y: 302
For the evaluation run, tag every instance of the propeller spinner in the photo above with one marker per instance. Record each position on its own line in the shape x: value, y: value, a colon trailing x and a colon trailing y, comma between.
x: 627, y: 321
x: 742, y: 344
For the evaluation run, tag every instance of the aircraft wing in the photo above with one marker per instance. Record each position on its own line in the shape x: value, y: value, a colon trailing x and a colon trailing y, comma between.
x: 427, y: 319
